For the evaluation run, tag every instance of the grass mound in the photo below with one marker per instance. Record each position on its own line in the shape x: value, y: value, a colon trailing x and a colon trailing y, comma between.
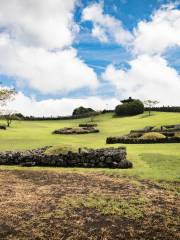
x: 153, y: 135
x: 177, y: 134
x: 62, y: 149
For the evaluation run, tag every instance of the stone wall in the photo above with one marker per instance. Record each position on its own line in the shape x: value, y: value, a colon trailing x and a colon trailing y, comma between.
x: 99, y: 158
x: 135, y: 136
x: 125, y: 140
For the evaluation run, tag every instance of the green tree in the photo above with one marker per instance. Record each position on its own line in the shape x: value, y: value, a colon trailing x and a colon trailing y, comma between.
x: 129, y: 108
x: 82, y: 110
x: 149, y: 104
x: 6, y: 95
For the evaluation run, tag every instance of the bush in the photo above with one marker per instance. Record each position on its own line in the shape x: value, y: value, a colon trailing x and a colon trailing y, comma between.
x: 131, y: 108
x: 82, y: 110
x: 3, y: 126
x: 177, y: 134
x: 153, y: 135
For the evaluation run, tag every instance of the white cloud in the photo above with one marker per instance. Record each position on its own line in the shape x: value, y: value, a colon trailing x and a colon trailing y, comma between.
x: 48, y: 72
x: 99, y: 33
x: 149, y: 77
x: 58, y: 107
x: 160, y: 33
x: 105, y: 26
x: 35, y: 46
x: 40, y: 23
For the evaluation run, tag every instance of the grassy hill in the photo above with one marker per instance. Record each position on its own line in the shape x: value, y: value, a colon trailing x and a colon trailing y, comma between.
x: 157, y: 161
x: 78, y: 203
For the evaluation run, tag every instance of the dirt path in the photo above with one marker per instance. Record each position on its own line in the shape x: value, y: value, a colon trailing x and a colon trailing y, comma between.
x: 48, y: 205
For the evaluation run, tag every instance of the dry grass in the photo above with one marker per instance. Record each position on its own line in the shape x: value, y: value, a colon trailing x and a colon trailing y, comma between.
x: 51, y: 205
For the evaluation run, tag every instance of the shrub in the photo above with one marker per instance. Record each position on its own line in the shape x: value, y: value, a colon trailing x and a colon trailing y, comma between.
x: 177, y: 134
x: 152, y: 135
x: 3, y: 126
x: 130, y: 108
x: 82, y: 110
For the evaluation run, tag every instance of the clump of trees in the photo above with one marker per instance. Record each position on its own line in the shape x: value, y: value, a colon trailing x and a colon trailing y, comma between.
x: 129, y: 107
x: 82, y: 111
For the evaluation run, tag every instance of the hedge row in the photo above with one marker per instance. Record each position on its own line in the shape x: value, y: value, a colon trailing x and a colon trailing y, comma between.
x: 32, y: 118
x: 164, y: 109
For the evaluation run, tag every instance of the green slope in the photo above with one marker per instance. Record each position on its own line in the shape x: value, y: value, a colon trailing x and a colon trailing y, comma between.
x: 158, y: 161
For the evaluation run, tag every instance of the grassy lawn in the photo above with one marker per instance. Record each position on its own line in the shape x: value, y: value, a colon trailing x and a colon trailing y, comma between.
x: 154, y: 161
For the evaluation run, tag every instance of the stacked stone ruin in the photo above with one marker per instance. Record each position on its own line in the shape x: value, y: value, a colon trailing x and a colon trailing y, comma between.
x: 134, y: 137
x: 83, y: 128
x: 91, y: 158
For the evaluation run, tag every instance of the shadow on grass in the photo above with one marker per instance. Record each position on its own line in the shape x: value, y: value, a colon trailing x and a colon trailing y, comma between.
x: 147, y: 116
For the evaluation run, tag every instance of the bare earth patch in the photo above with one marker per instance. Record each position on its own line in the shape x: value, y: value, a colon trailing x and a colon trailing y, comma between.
x: 49, y: 205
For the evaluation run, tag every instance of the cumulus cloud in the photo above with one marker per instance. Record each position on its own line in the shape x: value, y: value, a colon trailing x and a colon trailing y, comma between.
x: 48, y: 72
x: 160, y: 33
x: 149, y: 77
x: 58, y: 107
x: 35, y: 46
x: 105, y: 26
x: 41, y: 23
x: 149, y: 74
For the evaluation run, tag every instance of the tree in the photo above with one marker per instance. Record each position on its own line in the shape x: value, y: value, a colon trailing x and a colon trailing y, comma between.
x: 5, y: 96
x: 82, y: 110
x: 9, y: 116
x: 129, y: 108
x: 149, y: 104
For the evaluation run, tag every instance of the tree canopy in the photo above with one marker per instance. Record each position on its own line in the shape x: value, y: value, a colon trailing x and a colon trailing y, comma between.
x: 82, y: 110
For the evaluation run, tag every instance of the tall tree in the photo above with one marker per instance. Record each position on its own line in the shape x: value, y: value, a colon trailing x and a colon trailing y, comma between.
x: 5, y: 96
x: 149, y: 104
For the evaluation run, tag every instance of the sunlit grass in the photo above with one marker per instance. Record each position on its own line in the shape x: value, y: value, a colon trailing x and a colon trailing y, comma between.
x: 154, y: 161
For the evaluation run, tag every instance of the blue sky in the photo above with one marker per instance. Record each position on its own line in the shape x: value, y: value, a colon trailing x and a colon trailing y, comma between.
x: 90, y: 49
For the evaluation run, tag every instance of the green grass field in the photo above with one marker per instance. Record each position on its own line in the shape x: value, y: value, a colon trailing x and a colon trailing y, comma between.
x: 154, y: 161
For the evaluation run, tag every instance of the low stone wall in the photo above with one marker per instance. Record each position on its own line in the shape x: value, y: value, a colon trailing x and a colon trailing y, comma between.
x: 136, y: 136
x: 165, y: 129
x: 99, y: 158
x: 78, y: 130
x: 113, y: 140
